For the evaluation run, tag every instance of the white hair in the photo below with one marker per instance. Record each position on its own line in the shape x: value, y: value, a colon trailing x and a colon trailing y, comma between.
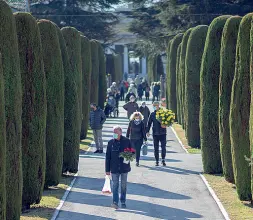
x: 117, y: 127
x: 109, y: 90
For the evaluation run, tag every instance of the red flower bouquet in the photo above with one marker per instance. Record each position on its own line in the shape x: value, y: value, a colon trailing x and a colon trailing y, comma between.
x: 128, y: 154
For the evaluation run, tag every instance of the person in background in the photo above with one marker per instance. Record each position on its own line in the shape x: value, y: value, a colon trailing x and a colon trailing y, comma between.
x: 122, y: 91
x: 117, y: 98
x: 145, y: 112
x: 159, y: 134
x: 156, y: 91
x: 131, y: 106
x: 140, y: 92
x: 136, y: 132
x: 115, y: 167
x: 97, y: 119
x: 147, y: 92
x: 114, y: 88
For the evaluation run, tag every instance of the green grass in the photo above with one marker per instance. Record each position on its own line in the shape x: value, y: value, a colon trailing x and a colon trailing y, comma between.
x: 51, y: 197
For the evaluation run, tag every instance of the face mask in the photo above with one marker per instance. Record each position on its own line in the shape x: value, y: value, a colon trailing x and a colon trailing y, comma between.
x: 137, y: 119
x: 132, y: 100
x: 115, y: 136
x: 154, y: 108
x: 143, y: 106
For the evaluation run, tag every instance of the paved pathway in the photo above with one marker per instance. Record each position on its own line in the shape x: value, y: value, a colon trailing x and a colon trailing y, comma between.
x: 174, y: 192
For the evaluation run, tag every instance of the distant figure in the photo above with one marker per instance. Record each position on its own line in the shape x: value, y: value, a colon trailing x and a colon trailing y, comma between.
x: 131, y: 106
x: 145, y: 112
x: 147, y: 92
x: 122, y: 91
x: 140, y: 92
x: 114, y: 88
x: 156, y: 91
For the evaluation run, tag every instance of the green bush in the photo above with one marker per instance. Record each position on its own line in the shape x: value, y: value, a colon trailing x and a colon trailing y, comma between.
x: 209, y: 97
x: 53, y: 67
x: 2, y: 147
x: 178, y: 86
x: 168, y: 72
x: 86, y: 73
x: 102, y: 77
x: 95, y: 72
x: 73, y: 124
x: 182, y: 78
x: 240, y: 111
x: 194, y: 52
x: 13, y: 111
x: 227, y: 68
x: 34, y: 108
x: 172, y: 97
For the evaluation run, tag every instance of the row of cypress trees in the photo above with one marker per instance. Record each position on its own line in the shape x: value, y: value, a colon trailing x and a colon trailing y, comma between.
x: 209, y: 85
x: 45, y: 75
x: 114, y: 66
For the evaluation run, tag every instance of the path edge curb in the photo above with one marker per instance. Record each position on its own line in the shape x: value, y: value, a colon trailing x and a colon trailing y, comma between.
x: 180, y: 142
x: 216, y: 199
x: 65, y: 196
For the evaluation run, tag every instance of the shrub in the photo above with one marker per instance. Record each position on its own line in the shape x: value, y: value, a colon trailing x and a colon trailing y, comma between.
x: 240, y: 111
x: 209, y: 97
x: 95, y: 72
x: 86, y: 73
x: 13, y: 111
x: 55, y: 101
x: 34, y: 108
x: 73, y: 125
x: 2, y: 147
x: 227, y: 68
x: 194, y: 52
x: 178, y: 86
x: 172, y: 98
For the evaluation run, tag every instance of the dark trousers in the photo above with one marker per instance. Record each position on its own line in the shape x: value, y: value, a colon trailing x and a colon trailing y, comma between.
x: 136, y: 144
x: 162, y: 140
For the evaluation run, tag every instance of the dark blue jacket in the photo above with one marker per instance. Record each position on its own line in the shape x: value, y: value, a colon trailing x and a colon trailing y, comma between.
x: 157, y: 128
x: 114, y: 163
x: 97, y: 119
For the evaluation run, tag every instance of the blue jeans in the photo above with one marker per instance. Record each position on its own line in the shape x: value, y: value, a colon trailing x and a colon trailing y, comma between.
x: 115, y: 189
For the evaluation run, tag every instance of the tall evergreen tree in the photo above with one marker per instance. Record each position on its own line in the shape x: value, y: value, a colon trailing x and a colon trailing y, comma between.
x: 13, y: 111
x: 34, y: 108
x: 95, y: 72
x: 168, y: 73
x: 53, y: 67
x: 178, y: 86
x: 240, y: 111
x: 227, y: 68
x: 209, y: 97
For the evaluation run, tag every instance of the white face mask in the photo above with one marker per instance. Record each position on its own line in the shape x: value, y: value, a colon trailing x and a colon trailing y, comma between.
x: 137, y: 119
x: 143, y: 106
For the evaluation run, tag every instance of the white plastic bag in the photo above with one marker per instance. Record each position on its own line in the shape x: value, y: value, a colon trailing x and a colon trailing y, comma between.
x: 107, y: 186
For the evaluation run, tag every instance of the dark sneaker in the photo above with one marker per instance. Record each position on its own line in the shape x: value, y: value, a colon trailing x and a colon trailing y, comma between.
x: 96, y: 152
x: 123, y: 205
x: 115, y: 206
x: 157, y: 164
x: 163, y: 163
x: 101, y: 152
x: 137, y: 164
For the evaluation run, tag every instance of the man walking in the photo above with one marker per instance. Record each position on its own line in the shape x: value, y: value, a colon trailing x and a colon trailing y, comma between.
x: 159, y: 134
x: 131, y: 106
x: 114, y: 165
x: 97, y: 119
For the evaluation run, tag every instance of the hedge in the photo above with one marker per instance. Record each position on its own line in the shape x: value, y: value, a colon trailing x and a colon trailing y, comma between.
x: 178, y: 86
x: 194, y: 52
x: 13, y: 111
x: 168, y: 72
x: 86, y: 75
x: 2, y: 147
x: 172, y: 73
x: 55, y: 101
x: 209, y: 97
x: 34, y: 108
x: 227, y: 65
x: 182, y: 78
x: 71, y: 149
x: 102, y: 77
x: 240, y: 111
x: 95, y: 72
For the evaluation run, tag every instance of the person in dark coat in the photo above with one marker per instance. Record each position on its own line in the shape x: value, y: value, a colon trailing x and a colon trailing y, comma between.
x: 136, y: 132
x: 156, y: 92
x: 131, y: 106
x: 147, y: 91
x: 144, y: 110
x: 159, y: 134
x: 97, y: 119
x: 122, y: 91
x: 115, y: 166
x: 140, y: 91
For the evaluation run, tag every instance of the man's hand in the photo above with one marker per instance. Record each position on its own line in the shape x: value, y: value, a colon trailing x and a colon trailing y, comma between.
x: 108, y: 173
x: 148, y: 134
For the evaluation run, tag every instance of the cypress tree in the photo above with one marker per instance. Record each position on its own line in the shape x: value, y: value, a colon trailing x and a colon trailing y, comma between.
x: 240, y: 111
x: 251, y: 106
x: 13, y: 111
x: 150, y: 69
x: 209, y: 97
x: 118, y: 67
x: 86, y: 73
x: 172, y: 73
x: 2, y: 147
x: 168, y: 73
x: 159, y: 67
x: 110, y: 66
x: 182, y: 78
x: 178, y: 86
x: 55, y: 101
x: 73, y: 125
x: 194, y: 52
x: 227, y: 68
x: 34, y: 108
x: 95, y: 72
x: 102, y: 78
